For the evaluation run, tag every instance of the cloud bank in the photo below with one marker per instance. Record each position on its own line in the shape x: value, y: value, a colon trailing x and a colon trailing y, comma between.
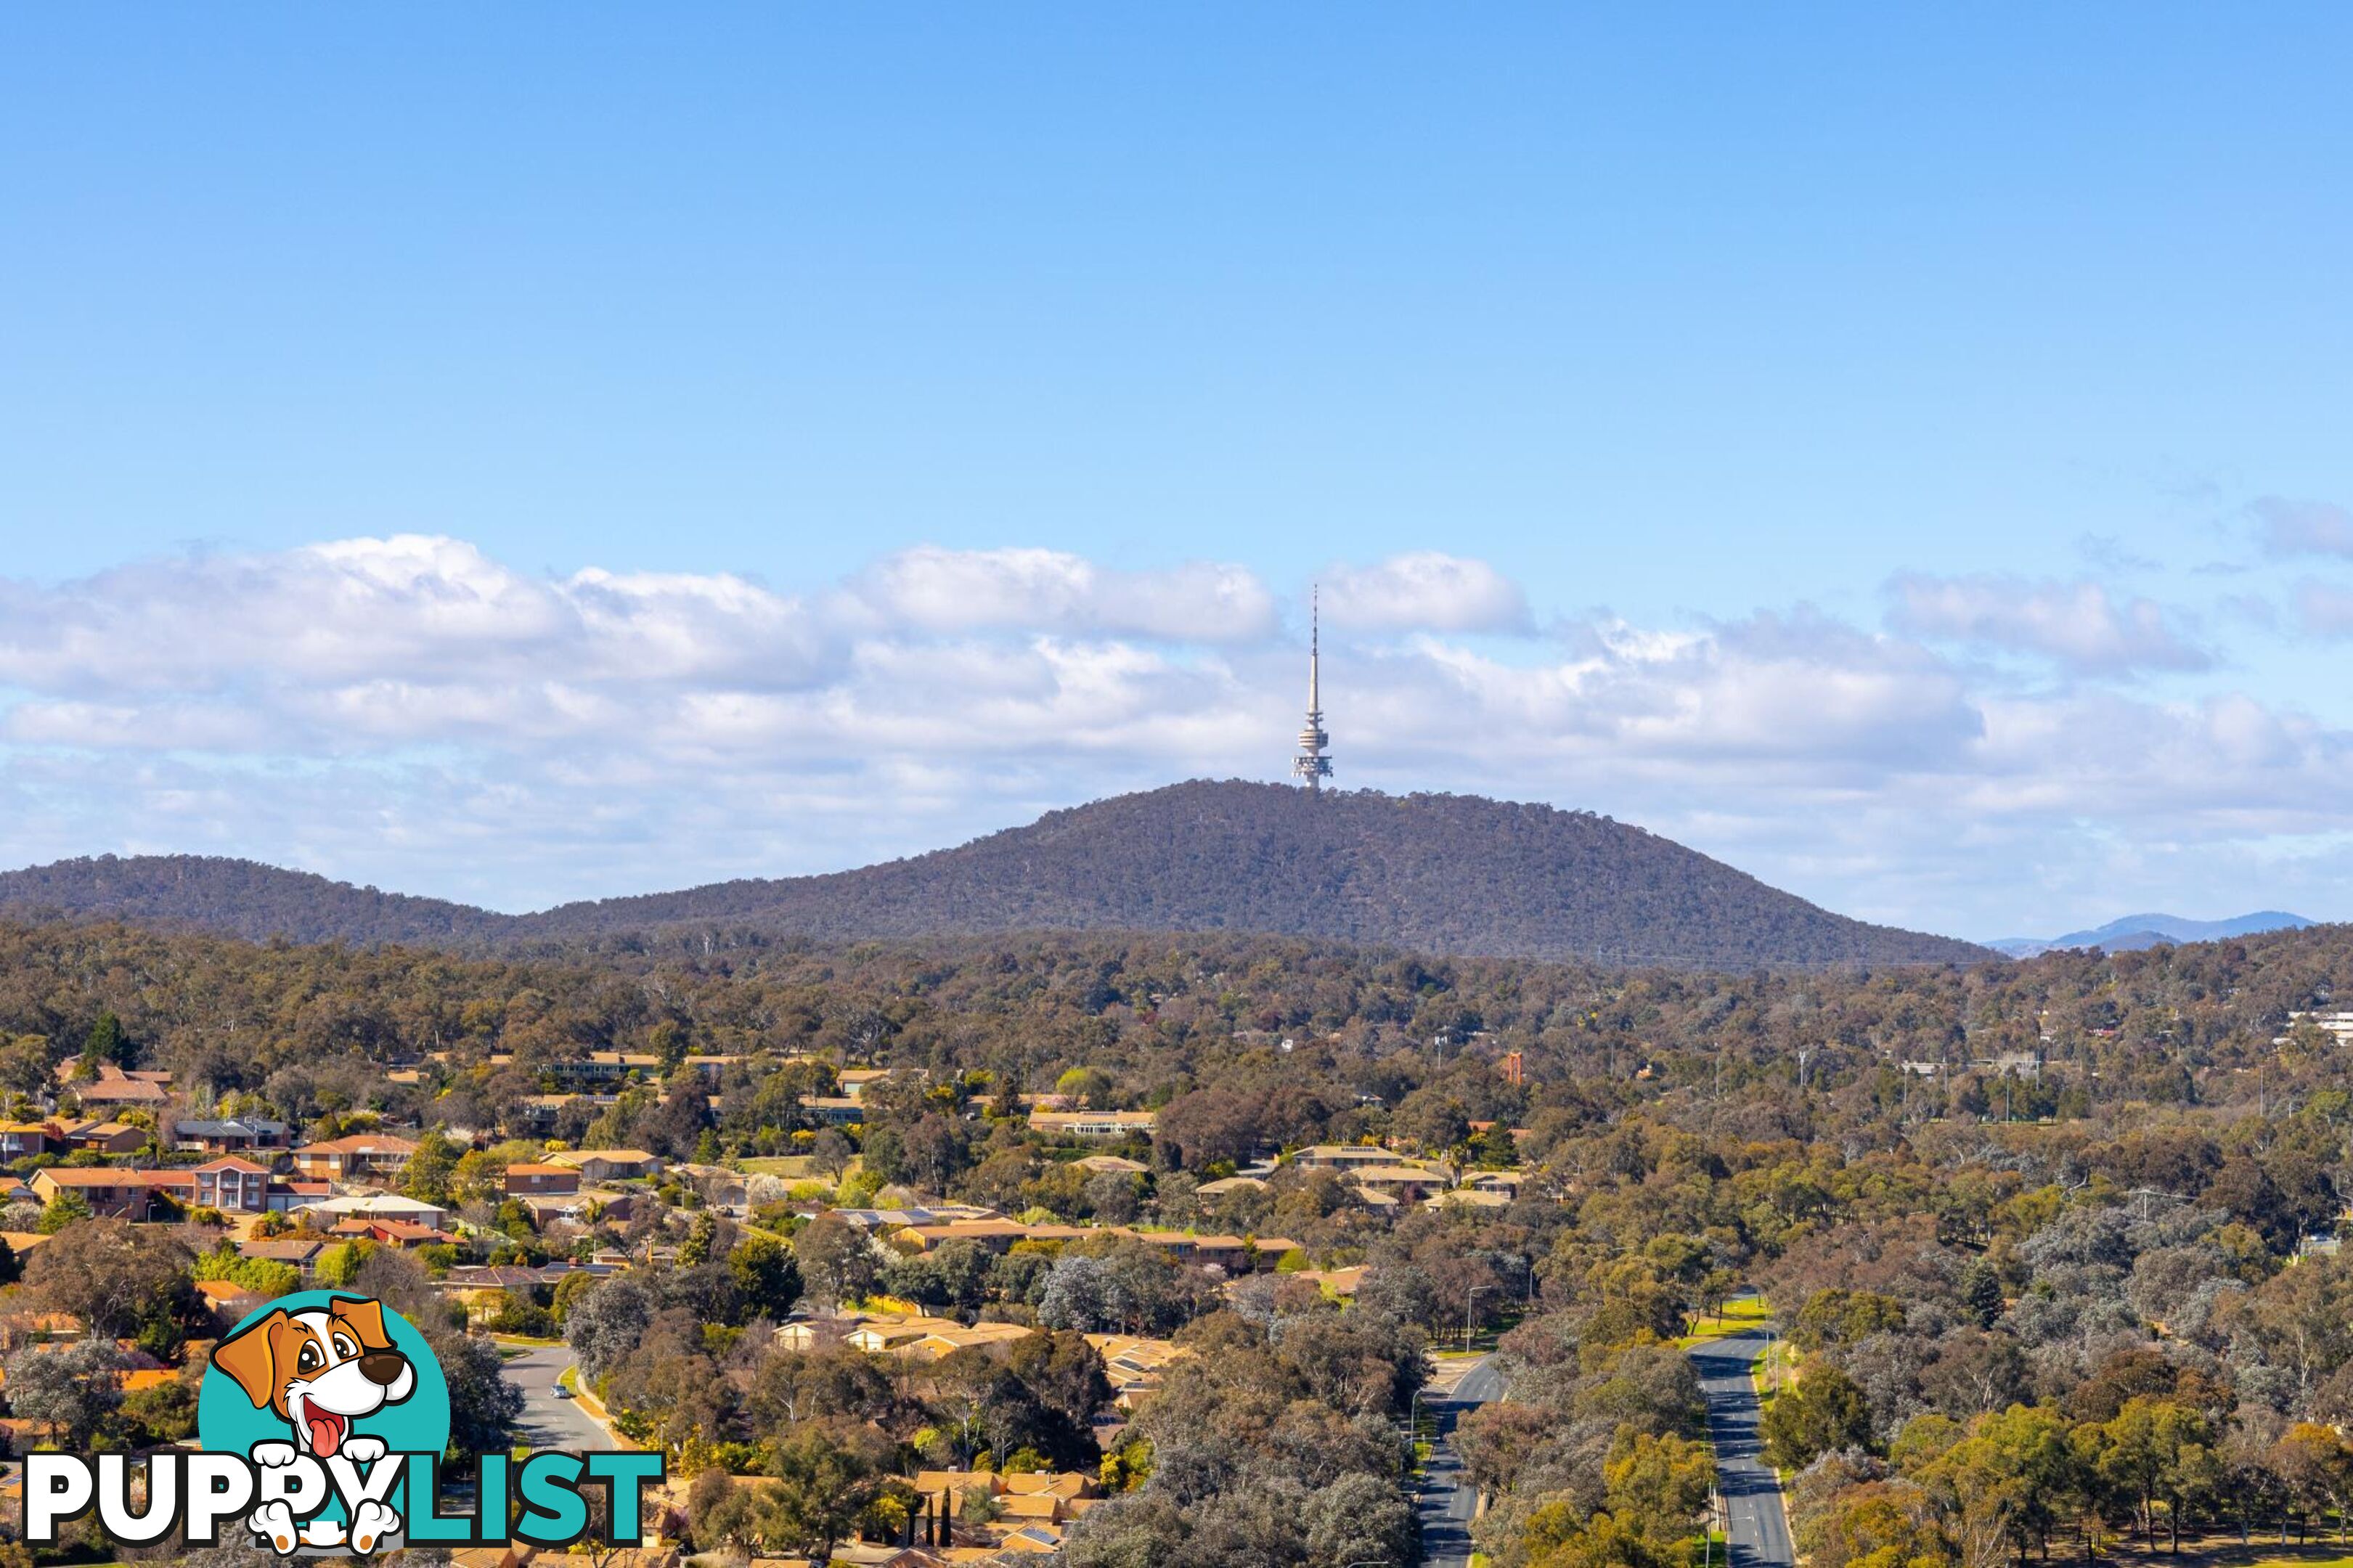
x: 411, y: 711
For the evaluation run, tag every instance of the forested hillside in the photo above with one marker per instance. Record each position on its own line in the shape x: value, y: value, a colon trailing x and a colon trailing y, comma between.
x: 237, y: 897
x: 2048, y: 1237
x: 2181, y: 1026
x: 1438, y: 874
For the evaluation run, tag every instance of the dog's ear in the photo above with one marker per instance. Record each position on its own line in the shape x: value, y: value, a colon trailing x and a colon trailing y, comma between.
x: 366, y: 1319
x: 248, y: 1357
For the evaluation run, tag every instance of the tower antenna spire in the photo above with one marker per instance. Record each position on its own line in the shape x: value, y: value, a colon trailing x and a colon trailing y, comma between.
x: 1311, y: 764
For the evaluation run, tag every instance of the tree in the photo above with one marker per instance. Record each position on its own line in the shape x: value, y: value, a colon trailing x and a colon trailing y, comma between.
x: 1981, y: 1293
x: 2315, y: 1463
x: 25, y: 1064
x: 569, y: 1290
x: 1662, y: 1482
x: 823, y: 1484
x: 836, y: 1260
x: 113, y: 1275
x: 793, y: 1387
x: 1065, y: 1377
x: 2144, y: 1456
x: 701, y: 1236
x: 431, y: 1174
x: 766, y: 1276
x: 66, y: 1209
x: 2000, y: 1487
x: 1090, y: 1087
x: 608, y: 1323
x: 1825, y: 1413
x: 483, y: 1405
x: 1601, y: 1541
x: 71, y: 1390
x: 107, y: 1044
x: 831, y: 1153
x: 340, y: 1265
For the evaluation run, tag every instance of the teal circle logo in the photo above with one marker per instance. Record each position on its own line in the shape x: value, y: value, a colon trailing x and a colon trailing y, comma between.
x: 317, y: 1369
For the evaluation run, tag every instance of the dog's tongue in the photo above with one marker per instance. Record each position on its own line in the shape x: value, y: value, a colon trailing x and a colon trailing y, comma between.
x: 327, y: 1429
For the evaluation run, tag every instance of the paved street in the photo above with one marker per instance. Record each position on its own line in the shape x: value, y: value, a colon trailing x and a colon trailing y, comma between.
x: 1447, y: 1502
x: 549, y: 1422
x: 1758, y: 1528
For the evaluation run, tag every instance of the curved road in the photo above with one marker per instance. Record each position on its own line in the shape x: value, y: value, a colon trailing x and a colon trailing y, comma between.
x: 1447, y: 1502
x: 549, y: 1422
x: 1755, y: 1522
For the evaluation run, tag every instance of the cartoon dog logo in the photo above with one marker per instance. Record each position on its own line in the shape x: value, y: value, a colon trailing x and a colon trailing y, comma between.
x: 321, y: 1371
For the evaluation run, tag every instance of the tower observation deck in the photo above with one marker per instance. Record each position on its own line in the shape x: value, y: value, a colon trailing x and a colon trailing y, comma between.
x: 1311, y: 764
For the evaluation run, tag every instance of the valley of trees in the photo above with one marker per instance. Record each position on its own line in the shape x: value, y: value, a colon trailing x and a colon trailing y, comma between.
x: 2042, y: 1235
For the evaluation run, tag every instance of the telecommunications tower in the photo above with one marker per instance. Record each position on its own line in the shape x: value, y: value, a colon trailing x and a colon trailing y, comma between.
x: 1311, y: 764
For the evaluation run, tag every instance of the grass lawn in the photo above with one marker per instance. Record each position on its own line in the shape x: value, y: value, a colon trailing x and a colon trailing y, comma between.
x: 2211, y: 1552
x: 791, y: 1167
x: 1739, y: 1315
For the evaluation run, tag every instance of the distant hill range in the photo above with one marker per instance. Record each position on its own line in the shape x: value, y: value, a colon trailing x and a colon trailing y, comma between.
x: 2135, y: 932
x: 1430, y: 873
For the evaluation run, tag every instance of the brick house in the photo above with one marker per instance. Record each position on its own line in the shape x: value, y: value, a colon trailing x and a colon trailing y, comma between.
x: 542, y: 1181
x: 367, y: 1156
x: 233, y: 1185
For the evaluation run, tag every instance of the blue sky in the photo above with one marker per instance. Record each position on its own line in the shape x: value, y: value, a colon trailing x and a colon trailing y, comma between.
x: 1902, y: 454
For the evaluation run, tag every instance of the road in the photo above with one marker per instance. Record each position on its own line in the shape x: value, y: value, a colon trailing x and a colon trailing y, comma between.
x: 1756, y: 1522
x: 1447, y: 1501
x: 549, y: 1422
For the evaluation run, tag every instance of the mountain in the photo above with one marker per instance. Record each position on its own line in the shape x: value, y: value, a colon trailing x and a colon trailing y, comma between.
x: 2132, y: 933
x: 1431, y: 873
x: 240, y: 898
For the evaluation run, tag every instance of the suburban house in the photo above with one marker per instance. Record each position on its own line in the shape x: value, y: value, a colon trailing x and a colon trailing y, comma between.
x: 381, y: 1206
x: 1133, y: 1366
x: 110, y: 1194
x: 233, y: 1185
x: 1028, y: 1510
x: 834, y: 1110
x: 234, y: 1136
x: 1341, y: 1156
x: 856, y: 1082
x: 599, y: 1166
x: 116, y: 1088
x: 366, y: 1156
x: 397, y: 1233
x: 102, y: 1136
x: 1093, y: 1123
x: 542, y: 1181
x: 605, y: 1066
x: 299, y: 1252
x: 1407, y: 1183
x: 19, y: 1139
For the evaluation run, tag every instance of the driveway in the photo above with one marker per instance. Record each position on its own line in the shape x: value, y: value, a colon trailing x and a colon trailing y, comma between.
x: 1756, y: 1522
x: 548, y: 1422
x: 1447, y: 1501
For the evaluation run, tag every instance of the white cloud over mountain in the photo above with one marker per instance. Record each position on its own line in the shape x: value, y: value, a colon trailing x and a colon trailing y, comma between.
x: 411, y: 711
x: 2080, y: 626
x: 1425, y: 590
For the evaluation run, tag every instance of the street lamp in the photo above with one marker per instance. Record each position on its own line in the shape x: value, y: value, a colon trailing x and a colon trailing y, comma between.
x: 1468, y: 1297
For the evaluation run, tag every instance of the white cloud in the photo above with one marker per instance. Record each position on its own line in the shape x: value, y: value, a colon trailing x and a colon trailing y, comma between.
x: 2304, y: 527
x: 2325, y: 609
x: 937, y: 590
x: 2078, y: 625
x: 1424, y: 589
x: 412, y: 712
